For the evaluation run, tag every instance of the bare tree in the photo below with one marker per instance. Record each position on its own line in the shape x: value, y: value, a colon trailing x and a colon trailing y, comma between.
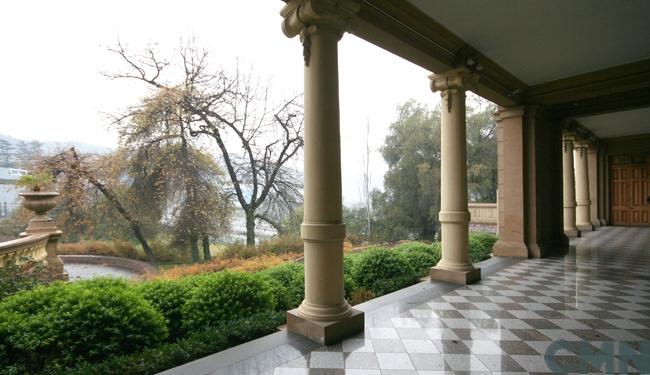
x: 366, y: 180
x: 256, y: 139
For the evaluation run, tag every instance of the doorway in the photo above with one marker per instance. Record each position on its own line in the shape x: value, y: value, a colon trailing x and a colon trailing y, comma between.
x: 630, y: 190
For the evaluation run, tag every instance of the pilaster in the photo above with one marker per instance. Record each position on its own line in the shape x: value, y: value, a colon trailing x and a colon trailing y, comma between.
x: 510, y: 160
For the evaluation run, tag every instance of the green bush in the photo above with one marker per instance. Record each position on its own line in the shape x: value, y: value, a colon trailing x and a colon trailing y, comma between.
x: 154, y: 360
x: 382, y: 271
x: 480, y: 246
x: 420, y: 255
x: 289, y: 284
x: 348, y: 280
x: 225, y: 296
x: 65, y: 323
x: 281, y: 245
x: 168, y: 297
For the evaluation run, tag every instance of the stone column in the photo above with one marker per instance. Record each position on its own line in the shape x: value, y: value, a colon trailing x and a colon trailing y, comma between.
x: 510, y: 160
x: 592, y: 164
x: 324, y: 315
x: 569, y: 188
x: 454, y: 217
x: 583, y: 203
x: 603, y: 185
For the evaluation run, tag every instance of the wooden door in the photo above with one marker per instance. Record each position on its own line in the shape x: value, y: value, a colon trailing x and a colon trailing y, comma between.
x: 630, y: 190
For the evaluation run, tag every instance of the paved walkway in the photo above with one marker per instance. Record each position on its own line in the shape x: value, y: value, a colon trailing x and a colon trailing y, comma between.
x: 588, y: 312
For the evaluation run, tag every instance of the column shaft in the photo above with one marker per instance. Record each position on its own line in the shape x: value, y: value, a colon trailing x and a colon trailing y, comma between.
x: 323, y: 230
x: 569, y: 192
x: 592, y: 163
x: 583, y: 203
x: 454, y: 216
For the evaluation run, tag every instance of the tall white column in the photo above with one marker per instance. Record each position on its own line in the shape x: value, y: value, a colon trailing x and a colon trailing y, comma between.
x: 454, y: 266
x: 569, y: 188
x: 583, y: 201
x: 324, y: 315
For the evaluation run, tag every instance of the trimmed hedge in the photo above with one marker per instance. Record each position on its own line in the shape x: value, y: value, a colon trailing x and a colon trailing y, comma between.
x: 224, y: 296
x: 420, y: 255
x: 67, y: 323
x: 154, y: 360
x: 480, y: 246
x: 382, y: 271
x: 288, y: 282
x: 168, y: 297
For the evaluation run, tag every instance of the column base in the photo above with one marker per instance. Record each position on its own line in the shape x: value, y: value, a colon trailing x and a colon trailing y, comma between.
x: 325, y: 333
x: 455, y: 277
x: 572, y: 233
x: 585, y: 227
x: 510, y: 249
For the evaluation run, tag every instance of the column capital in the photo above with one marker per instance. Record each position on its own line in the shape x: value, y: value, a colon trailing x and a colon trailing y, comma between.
x: 459, y: 78
x: 569, y: 137
x: 504, y: 113
x: 299, y: 15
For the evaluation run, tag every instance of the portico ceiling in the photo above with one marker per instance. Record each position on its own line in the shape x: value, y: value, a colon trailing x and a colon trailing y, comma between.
x: 543, y: 40
x: 580, y: 59
x: 618, y: 124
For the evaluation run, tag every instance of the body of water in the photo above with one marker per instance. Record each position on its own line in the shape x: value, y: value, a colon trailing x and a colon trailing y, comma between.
x: 81, y: 271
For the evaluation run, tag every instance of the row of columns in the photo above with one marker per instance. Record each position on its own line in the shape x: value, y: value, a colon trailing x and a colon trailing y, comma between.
x: 324, y: 315
x: 579, y: 166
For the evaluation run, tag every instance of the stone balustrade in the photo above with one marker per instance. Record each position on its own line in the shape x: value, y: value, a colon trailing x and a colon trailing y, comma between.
x: 483, y: 213
x: 484, y: 217
x: 33, y: 246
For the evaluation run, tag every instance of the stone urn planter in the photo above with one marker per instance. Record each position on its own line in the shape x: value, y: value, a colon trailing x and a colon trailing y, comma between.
x: 40, y: 202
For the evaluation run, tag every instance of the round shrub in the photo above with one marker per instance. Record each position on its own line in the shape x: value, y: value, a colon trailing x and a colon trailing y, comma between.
x: 168, y: 297
x: 420, y: 255
x: 82, y: 321
x: 225, y: 296
x: 289, y: 284
x: 382, y: 271
x: 480, y: 246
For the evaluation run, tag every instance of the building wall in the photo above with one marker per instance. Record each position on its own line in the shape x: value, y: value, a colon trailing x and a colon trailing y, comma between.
x: 9, y: 199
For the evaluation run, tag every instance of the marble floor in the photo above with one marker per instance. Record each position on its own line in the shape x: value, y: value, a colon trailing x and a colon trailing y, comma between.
x: 587, y: 312
x: 509, y: 321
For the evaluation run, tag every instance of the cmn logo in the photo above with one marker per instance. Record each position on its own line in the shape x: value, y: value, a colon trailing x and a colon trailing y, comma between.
x: 605, y: 359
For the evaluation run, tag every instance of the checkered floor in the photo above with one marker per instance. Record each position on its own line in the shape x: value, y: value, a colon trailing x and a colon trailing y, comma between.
x: 589, y: 306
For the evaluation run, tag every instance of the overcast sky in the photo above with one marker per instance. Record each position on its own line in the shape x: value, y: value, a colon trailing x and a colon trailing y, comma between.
x: 51, y: 87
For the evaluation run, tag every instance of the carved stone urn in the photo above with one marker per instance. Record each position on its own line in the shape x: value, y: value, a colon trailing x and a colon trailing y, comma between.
x: 40, y: 202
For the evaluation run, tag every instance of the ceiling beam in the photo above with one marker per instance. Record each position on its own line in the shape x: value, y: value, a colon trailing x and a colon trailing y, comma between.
x: 613, y: 89
x: 406, y: 31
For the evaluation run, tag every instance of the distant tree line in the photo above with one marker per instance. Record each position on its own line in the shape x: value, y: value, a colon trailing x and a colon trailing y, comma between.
x: 19, y: 154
